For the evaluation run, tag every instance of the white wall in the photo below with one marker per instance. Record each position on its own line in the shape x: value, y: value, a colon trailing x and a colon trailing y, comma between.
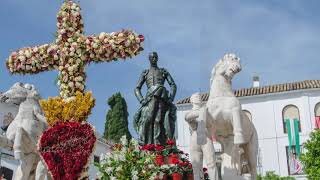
x: 266, y: 111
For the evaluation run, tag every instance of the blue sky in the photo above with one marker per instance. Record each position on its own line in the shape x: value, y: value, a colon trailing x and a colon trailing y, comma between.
x: 278, y: 40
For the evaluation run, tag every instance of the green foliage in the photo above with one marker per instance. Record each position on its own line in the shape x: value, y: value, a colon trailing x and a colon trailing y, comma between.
x: 272, y: 176
x: 311, y: 158
x: 116, y: 124
x: 127, y: 162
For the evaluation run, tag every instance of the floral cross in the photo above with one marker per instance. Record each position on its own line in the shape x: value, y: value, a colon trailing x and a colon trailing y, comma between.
x: 72, y: 50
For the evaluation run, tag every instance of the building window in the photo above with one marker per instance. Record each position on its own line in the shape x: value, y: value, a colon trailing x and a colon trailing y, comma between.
x: 248, y: 114
x: 96, y: 159
x: 317, y: 116
x: 6, y: 173
x: 290, y: 113
x: 293, y: 163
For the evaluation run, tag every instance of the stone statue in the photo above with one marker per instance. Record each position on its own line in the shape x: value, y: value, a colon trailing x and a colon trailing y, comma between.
x: 201, y: 146
x: 7, y: 119
x: 155, y: 120
x: 24, y: 131
x: 233, y: 129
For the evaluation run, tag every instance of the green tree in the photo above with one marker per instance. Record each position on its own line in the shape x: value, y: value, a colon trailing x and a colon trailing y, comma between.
x: 270, y: 175
x: 311, y: 158
x: 116, y: 124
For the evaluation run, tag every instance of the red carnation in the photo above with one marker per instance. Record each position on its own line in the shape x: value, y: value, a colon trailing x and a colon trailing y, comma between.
x: 159, y: 147
x: 175, y: 161
x: 141, y: 37
x: 205, y: 169
x: 170, y: 142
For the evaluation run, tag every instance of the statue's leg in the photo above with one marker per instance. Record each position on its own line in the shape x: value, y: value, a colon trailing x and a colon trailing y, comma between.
x: 237, y: 126
x: 26, y: 164
x: 210, y: 158
x: 18, y: 144
x: 196, y: 157
x: 159, y: 131
x: 153, y: 107
x: 34, y: 167
x: 252, y: 152
x: 41, y: 171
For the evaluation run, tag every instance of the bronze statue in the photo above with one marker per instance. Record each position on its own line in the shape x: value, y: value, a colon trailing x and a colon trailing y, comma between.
x: 155, y: 120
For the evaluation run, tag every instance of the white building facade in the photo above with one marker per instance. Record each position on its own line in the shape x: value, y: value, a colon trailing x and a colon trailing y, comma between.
x: 269, y: 107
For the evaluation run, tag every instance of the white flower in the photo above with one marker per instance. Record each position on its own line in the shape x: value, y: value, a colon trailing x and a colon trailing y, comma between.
x: 28, y: 54
x: 124, y: 140
x: 79, y: 78
x: 102, y: 35
x: 74, y: 6
x: 71, y: 53
x: 62, y: 31
x: 70, y: 69
x: 131, y: 37
x: 79, y: 51
x: 28, y: 67
x: 109, y: 170
x: 95, y: 45
x: 55, y: 57
x: 72, y: 49
x: 75, y: 44
x: 75, y: 14
x: 78, y: 84
x: 71, y: 29
x: 151, y: 166
x: 134, y: 175
x: 70, y: 40
x: 119, y: 168
x: 21, y: 52
x: 81, y: 87
x: 22, y: 58
x: 127, y: 43
x: 10, y: 60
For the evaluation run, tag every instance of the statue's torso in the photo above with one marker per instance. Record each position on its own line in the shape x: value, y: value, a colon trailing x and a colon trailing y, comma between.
x: 26, y: 119
x: 154, y: 77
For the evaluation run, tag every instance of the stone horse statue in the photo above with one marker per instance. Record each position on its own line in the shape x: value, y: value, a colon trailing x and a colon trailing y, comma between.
x: 24, y: 131
x: 232, y: 128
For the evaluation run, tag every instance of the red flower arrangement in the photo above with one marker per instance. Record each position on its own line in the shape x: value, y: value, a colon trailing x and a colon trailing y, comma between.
x: 152, y: 147
x: 66, y: 149
x: 170, y: 142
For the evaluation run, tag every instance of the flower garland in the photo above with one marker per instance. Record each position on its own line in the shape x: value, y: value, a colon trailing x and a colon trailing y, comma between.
x: 73, y: 50
x: 66, y: 149
x: 75, y: 109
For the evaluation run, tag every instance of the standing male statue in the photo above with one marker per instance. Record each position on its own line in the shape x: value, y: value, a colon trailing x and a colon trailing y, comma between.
x: 155, y: 120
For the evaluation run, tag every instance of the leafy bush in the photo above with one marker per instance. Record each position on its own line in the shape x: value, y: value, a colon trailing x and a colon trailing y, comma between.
x: 272, y: 176
x: 127, y: 161
x: 311, y: 158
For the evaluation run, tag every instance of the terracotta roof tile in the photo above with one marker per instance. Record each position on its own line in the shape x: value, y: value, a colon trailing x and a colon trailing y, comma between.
x: 308, y: 84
